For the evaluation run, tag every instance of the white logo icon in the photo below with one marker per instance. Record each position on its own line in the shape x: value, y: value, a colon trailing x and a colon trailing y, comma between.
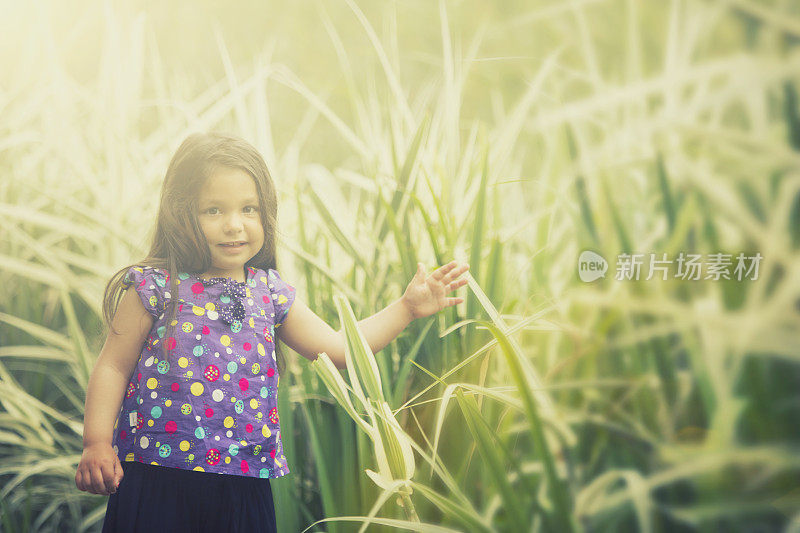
x: 591, y: 266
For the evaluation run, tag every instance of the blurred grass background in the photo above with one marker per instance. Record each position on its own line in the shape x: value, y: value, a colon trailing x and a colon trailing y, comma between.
x: 510, y: 135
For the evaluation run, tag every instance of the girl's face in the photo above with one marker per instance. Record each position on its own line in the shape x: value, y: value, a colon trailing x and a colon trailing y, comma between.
x: 230, y: 219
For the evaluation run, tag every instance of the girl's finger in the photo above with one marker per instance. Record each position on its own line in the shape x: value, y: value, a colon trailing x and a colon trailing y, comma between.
x: 456, y: 284
x: 79, y: 480
x: 98, y: 486
x: 108, y: 477
x: 440, y: 272
x: 118, y: 472
x: 455, y: 273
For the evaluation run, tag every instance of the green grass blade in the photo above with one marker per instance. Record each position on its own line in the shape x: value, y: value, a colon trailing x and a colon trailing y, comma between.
x: 487, y: 447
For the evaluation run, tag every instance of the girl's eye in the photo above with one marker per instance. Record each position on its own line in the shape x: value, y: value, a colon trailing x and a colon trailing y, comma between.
x: 250, y: 209
x: 211, y: 211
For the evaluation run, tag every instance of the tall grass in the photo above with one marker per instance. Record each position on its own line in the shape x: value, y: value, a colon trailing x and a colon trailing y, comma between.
x: 613, y: 126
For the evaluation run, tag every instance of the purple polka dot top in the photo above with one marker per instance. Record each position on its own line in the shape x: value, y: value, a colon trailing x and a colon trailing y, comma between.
x: 212, y: 404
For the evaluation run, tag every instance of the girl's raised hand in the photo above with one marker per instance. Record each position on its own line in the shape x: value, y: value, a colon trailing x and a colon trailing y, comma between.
x: 426, y: 294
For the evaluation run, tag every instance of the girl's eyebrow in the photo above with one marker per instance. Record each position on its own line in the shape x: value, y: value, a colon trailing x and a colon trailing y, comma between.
x: 251, y: 200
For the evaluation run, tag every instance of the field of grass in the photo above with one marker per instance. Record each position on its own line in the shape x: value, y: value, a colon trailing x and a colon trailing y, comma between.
x: 508, y: 135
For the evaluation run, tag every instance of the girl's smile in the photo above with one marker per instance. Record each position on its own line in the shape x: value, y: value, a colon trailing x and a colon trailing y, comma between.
x: 229, y: 215
x: 233, y: 247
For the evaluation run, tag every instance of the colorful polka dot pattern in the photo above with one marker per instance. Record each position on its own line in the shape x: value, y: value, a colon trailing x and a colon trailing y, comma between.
x: 211, y: 405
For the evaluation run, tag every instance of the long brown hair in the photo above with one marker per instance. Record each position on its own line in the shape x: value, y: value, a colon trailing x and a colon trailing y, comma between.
x: 178, y: 243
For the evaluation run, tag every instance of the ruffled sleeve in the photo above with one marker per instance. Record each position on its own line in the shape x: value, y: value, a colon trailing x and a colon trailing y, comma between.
x: 151, y: 286
x: 282, y: 293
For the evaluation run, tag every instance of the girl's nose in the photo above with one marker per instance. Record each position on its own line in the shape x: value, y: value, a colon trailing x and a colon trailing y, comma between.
x: 233, y: 224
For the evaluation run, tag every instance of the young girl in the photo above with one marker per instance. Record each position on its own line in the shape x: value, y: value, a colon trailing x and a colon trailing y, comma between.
x: 191, y: 358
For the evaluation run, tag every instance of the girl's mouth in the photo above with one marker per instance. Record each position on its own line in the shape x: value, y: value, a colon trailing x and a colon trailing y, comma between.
x: 233, y: 244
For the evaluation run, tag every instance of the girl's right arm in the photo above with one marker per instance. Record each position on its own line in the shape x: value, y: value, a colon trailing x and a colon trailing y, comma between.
x: 99, y: 470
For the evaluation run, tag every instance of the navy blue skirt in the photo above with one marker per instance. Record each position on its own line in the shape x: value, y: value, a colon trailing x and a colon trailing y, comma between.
x: 159, y: 498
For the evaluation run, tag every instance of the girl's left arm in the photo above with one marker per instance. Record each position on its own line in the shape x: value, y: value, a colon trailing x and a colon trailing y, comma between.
x: 307, y: 334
